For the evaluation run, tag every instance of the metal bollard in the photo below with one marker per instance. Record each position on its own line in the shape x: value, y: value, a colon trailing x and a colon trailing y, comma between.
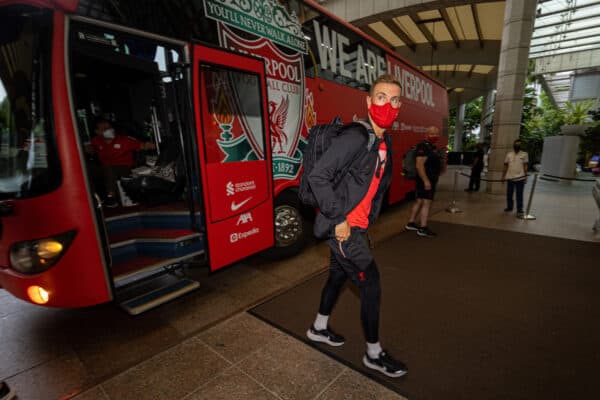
x: 527, y: 215
x: 453, y: 208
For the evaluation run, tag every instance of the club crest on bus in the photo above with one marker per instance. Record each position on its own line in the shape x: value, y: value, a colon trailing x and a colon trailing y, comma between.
x: 285, y: 91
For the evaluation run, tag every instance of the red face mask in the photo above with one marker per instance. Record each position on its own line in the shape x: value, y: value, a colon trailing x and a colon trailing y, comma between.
x: 384, y: 115
x: 432, y: 139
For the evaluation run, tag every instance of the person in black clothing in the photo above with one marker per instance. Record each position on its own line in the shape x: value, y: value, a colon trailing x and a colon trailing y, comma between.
x: 429, y: 167
x: 346, y: 211
x: 476, y: 168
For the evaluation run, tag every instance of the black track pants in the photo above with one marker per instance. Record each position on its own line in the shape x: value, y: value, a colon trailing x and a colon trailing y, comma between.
x: 352, y: 259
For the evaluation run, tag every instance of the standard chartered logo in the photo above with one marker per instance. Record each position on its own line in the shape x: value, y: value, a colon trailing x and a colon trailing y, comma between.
x: 230, y: 188
x: 233, y: 188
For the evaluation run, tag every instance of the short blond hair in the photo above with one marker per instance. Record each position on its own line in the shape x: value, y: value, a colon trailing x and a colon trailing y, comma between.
x: 385, y: 78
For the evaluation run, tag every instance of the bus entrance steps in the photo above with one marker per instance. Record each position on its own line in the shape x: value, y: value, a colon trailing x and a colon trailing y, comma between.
x: 159, y: 295
x: 144, y: 267
x: 127, y: 247
x: 148, y: 251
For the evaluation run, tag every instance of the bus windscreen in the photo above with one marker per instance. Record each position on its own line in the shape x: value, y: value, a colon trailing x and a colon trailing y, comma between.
x: 29, y: 165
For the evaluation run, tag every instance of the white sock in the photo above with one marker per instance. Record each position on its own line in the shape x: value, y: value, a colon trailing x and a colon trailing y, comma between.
x: 321, y: 322
x: 373, y: 349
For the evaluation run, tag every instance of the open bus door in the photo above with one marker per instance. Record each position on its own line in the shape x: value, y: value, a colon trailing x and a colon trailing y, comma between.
x: 230, y: 102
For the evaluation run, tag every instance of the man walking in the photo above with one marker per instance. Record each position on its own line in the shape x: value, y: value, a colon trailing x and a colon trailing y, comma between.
x: 347, y: 210
x: 429, y: 167
x: 515, y: 173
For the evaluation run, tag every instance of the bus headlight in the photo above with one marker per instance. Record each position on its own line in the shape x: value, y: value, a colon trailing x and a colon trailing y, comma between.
x: 35, y: 256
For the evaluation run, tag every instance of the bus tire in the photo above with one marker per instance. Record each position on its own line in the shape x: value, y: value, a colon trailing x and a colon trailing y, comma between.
x: 292, y: 229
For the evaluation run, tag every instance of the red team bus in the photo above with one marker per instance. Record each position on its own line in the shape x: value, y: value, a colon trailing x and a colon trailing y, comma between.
x: 226, y: 90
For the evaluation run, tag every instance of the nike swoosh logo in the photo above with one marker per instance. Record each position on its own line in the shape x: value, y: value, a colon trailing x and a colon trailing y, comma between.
x: 235, y: 207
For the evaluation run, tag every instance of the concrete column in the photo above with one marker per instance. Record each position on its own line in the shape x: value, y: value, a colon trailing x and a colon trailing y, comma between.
x: 458, y: 129
x: 519, y: 17
x: 487, y: 114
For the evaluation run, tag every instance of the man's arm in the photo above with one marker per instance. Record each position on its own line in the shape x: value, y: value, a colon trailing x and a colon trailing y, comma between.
x: 421, y: 172
x: 506, y: 161
x: 148, y: 146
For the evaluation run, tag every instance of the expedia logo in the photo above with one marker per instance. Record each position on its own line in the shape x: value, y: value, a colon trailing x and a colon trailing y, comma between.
x: 234, y: 237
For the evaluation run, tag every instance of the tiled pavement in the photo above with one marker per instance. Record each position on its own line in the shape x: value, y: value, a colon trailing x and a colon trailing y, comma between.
x: 204, y: 346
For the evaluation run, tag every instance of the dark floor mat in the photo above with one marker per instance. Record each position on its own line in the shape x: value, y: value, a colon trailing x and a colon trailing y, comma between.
x: 475, y: 313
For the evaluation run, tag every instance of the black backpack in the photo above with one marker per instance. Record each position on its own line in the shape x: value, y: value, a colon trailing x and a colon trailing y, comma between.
x: 318, y: 141
x: 409, y: 163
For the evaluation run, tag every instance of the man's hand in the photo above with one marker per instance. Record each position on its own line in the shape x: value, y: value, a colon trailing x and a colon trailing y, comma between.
x: 342, y: 231
x: 427, y: 184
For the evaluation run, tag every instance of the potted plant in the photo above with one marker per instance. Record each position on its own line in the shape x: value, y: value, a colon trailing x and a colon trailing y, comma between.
x: 576, y: 117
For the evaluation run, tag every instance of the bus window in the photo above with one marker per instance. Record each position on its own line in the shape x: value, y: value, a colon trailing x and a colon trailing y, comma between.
x: 29, y: 164
x: 235, y: 100
x: 335, y: 52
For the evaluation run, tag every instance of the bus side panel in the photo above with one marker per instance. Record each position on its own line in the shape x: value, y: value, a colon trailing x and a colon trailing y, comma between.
x: 78, y: 278
x: 336, y: 100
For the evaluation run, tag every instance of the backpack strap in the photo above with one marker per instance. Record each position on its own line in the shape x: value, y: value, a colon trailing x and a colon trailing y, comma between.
x: 370, y: 131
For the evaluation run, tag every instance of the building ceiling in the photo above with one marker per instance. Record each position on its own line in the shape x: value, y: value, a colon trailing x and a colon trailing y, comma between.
x: 565, y: 26
x: 565, y: 31
x: 458, y: 41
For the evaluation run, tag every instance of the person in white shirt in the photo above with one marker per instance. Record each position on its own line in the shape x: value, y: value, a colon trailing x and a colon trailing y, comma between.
x: 515, y: 173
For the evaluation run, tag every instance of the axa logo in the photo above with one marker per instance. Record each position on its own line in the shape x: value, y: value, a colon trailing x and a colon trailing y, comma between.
x: 230, y: 188
x: 244, y: 219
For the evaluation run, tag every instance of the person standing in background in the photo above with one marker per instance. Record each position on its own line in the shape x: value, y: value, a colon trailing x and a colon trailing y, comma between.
x: 429, y: 167
x: 515, y: 173
x: 476, y: 168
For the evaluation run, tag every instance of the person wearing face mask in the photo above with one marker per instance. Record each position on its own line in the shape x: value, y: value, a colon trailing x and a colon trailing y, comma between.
x: 347, y: 209
x: 116, y: 155
x: 429, y: 167
x: 515, y: 174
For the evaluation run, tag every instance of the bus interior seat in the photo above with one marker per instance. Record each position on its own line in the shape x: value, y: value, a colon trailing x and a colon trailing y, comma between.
x: 163, y: 183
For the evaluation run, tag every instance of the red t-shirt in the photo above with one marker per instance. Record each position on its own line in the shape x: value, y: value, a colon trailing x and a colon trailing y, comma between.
x: 359, y: 216
x: 118, y: 151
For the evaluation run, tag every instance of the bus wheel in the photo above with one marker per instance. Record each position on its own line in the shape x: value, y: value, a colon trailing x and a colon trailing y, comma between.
x: 291, y: 228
